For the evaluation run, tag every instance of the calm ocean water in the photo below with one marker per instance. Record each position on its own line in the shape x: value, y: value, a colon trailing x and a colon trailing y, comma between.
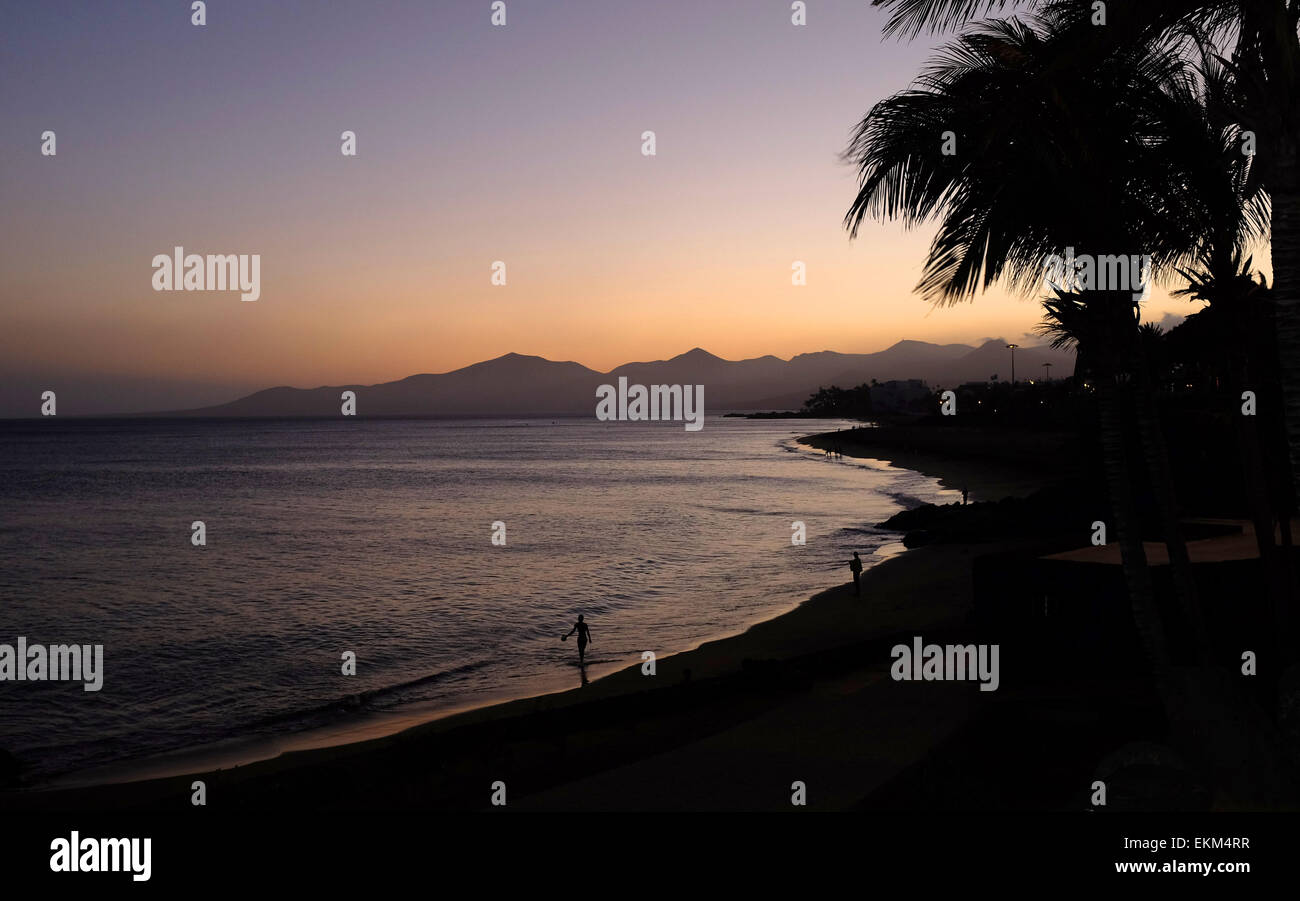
x: 375, y: 537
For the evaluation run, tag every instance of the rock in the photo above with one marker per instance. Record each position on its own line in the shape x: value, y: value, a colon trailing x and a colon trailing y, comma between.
x: 917, y: 537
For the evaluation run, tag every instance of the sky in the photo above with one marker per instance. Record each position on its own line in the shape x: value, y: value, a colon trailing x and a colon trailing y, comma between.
x: 475, y: 143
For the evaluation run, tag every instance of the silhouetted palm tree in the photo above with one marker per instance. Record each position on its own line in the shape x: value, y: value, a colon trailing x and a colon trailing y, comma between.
x: 1233, y: 218
x: 1022, y: 139
x: 1045, y: 159
x: 1261, y: 38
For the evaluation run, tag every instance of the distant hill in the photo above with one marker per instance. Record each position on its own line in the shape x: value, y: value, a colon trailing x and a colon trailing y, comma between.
x: 516, y: 384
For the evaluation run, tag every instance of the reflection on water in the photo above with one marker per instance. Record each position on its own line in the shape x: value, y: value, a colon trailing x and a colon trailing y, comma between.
x: 374, y: 537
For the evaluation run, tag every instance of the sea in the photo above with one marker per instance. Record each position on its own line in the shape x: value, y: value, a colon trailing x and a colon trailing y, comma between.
x: 445, y: 557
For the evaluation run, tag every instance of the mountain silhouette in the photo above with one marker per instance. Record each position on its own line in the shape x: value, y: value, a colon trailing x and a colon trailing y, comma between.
x: 518, y: 384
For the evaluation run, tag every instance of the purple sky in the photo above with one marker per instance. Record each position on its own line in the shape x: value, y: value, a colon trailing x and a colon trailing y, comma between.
x: 475, y: 144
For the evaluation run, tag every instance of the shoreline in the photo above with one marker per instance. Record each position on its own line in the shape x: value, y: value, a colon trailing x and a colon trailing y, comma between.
x: 242, y: 751
x: 924, y: 589
x: 989, y: 463
x: 827, y: 621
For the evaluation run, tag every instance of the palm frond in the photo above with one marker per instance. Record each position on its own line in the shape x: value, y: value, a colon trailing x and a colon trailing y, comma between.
x: 908, y: 18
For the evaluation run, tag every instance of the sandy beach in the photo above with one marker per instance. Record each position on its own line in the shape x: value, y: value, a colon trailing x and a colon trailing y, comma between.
x: 812, y: 670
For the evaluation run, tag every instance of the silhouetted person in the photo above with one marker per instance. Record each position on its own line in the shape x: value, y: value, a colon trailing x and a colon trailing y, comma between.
x: 584, y: 636
x: 963, y: 495
x: 856, y: 565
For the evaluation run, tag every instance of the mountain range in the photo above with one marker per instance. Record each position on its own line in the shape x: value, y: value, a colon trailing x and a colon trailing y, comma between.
x: 516, y: 384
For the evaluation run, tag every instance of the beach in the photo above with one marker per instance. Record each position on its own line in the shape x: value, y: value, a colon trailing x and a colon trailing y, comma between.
x: 829, y: 652
x: 448, y: 556
x: 728, y: 725
x: 990, y: 463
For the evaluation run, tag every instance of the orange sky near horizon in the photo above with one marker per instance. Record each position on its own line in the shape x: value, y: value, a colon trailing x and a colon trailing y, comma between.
x: 474, y: 144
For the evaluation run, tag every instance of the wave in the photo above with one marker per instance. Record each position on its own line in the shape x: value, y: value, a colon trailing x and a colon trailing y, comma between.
x: 350, y: 703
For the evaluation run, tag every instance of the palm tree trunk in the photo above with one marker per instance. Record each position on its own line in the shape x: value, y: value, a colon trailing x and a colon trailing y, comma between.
x: 1256, y: 469
x: 1286, y: 294
x: 1162, y: 485
x: 1286, y: 291
x: 1137, y: 577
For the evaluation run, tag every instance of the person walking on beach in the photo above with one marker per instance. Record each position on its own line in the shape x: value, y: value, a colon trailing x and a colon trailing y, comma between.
x: 584, y: 636
x: 856, y: 565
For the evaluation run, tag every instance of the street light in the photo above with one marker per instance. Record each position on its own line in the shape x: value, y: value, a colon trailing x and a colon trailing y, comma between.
x: 1047, y: 369
x: 1012, y: 348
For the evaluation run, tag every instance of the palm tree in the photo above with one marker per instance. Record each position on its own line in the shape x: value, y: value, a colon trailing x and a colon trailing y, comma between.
x: 1227, y: 213
x: 1234, y: 216
x: 1265, y: 47
x: 1057, y: 145
x: 1038, y: 103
